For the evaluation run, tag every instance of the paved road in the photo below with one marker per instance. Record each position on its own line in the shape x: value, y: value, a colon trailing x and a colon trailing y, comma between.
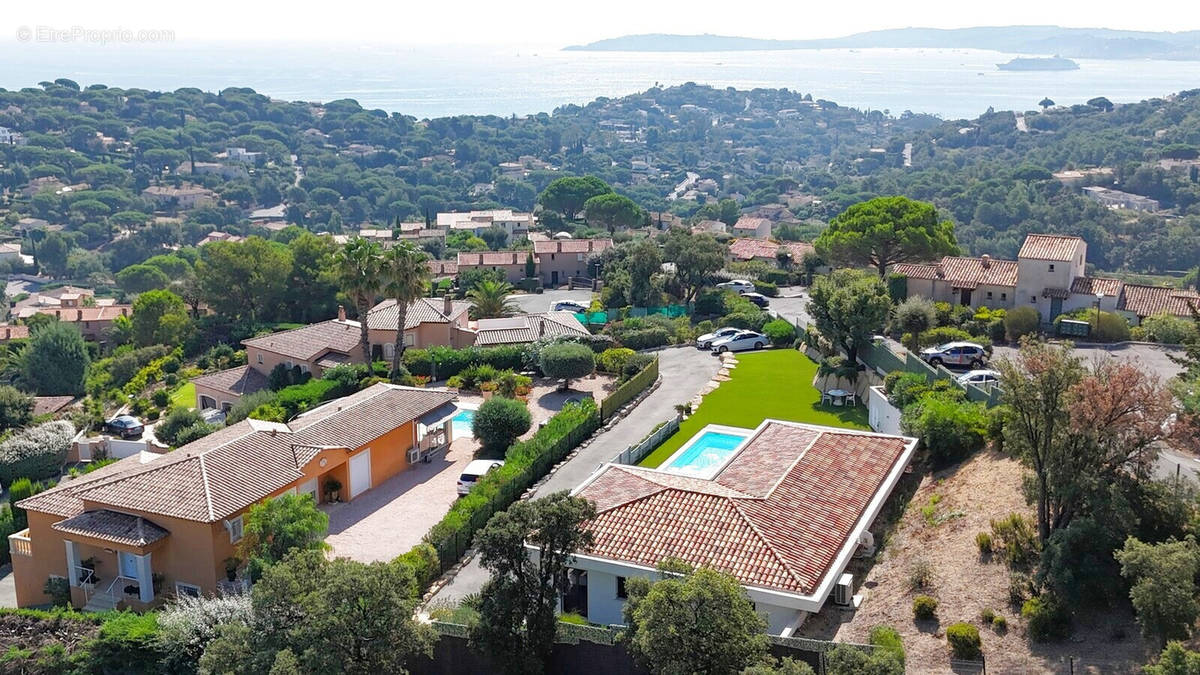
x: 544, y: 302
x: 684, y: 371
x: 1152, y: 357
x: 792, y: 304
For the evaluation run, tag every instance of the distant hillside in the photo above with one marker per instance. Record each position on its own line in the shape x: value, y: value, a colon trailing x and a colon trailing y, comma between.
x: 1093, y: 43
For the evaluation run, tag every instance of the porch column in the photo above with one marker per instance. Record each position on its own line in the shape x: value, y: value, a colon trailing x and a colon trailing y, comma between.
x: 145, y: 579
x: 72, y: 563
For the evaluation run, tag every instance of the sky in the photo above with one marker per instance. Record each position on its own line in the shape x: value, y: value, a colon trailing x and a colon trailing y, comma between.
x: 561, y: 23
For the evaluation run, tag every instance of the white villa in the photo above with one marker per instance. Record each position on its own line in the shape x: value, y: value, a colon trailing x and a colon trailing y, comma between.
x: 782, y: 508
x: 1049, y: 275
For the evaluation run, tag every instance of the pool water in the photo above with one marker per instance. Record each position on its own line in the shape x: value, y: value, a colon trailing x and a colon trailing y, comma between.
x: 704, y: 453
x: 461, y: 423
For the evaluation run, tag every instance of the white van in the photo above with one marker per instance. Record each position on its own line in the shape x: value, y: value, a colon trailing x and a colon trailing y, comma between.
x: 474, y: 471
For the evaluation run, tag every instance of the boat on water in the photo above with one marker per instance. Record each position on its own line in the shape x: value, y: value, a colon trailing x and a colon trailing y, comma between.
x: 1039, y: 63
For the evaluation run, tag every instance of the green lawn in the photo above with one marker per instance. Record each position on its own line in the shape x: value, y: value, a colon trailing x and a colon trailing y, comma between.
x: 184, y: 396
x: 775, y: 384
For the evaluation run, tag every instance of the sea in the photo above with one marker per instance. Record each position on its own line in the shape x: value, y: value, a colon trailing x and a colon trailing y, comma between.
x: 428, y: 81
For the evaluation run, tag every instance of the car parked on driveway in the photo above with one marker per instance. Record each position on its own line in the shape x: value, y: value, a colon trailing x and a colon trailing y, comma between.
x: 570, y: 306
x: 737, y: 286
x: 474, y: 471
x: 979, y: 378
x: 740, y: 342
x: 757, y: 298
x: 961, y: 354
x: 706, y: 341
x: 125, y: 426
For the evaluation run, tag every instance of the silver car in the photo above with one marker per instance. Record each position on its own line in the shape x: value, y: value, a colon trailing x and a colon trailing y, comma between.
x: 742, y: 341
x: 979, y: 378
x: 961, y: 354
x: 706, y: 341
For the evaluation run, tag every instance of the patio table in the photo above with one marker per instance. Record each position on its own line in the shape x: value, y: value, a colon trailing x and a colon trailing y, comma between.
x: 838, y: 395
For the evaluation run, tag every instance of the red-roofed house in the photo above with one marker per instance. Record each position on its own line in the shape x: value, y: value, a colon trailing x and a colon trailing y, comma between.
x: 512, y: 263
x: 751, y: 226
x: 783, y: 512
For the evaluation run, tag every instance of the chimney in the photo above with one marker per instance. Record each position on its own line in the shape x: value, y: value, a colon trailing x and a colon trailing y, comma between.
x: 985, y: 260
x: 341, y: 312
x: 448, y: 306
x: 79, y: 315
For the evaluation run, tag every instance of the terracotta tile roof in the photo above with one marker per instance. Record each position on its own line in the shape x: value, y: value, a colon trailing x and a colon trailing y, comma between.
x: 423, y: 310
x: 527, y: 328
x: 13, y: 332
x: 777, y: 515
x: 240, y: 380
x: 359, y: 418
x: 218, y: 475
x: 308, y: 342
x: 50, y: 404
x: 963, y: 272
x: 77, y: 314
x: 118, y: 528
x: 1060, y: 293
x: 751, y: 223
x: 478, y: 259
x: 571, y: 246
x: 1150, y: 300
x: 1093, y: 285
x: 443, y: 268
x: 918, y: 270
x: 1058, y: 247
x: 799, y: 249
x: 749, y: 249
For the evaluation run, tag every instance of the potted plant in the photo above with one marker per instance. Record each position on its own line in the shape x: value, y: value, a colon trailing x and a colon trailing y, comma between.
x: 333, y: 488
x: 488, y: 388
x: 231, y: 567
x: 88, y: 565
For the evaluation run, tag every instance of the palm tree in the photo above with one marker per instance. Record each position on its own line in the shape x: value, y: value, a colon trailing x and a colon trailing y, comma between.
x: 406, y: 274
x: 490, y: 300
x: 358, y: 266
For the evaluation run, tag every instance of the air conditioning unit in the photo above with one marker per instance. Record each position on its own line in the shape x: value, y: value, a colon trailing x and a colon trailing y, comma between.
x: 843, y: 592
x: 866, y: 544
x: 414, y: 455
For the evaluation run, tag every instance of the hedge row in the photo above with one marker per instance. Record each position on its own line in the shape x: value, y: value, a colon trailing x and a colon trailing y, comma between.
x: 626, y: 392
x: 525, y: 463
x: 447, y: 361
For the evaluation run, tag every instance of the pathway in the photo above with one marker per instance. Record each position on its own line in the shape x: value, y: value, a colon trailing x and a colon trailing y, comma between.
x: 684, y: 373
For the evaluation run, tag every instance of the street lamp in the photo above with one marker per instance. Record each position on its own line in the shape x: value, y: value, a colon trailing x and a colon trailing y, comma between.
x: 1099, y: 298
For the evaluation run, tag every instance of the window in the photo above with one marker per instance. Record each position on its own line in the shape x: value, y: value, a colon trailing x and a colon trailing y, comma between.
x: 235, y: 530
x: 989, y: 295
x: 1004, y: 296
x: 621, y: 588
x: 260, y: 359
x: 409, y: 340
x: 1051, y: 267
x: 1032, y: 300
x: 182, y: 589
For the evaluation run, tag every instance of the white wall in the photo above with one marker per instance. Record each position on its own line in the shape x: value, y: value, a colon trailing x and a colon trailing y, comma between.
x: 604, y: 607
x: 882, y: 415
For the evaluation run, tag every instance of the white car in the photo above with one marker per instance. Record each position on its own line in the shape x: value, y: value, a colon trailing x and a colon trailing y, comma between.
x: 737, y: 286
x: 740, y: 342
x: 706, y: 341
x: 474, y: 471
x: 979, y: 378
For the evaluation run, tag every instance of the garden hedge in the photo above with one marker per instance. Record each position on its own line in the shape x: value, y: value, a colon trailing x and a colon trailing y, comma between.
x: 441, y: 362
x: 36, y: 453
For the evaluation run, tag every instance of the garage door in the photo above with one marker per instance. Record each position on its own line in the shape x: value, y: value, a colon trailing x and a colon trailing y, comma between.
x: 360, y: 473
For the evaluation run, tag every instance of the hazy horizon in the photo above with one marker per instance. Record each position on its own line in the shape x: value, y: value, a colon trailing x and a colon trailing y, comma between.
x: 542, y: 23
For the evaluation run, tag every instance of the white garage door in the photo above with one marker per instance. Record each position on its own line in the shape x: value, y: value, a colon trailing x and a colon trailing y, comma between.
x: 360, y: 473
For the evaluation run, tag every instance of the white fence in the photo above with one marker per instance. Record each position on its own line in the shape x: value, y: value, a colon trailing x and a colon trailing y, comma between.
x: 637, y: 453
x: 882, y: 415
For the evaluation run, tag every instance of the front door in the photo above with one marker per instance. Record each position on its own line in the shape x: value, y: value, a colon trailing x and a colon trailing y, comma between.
x: 309, y: 488
x: 964, y: 297
x: 127, y: 562
x: 1055, y: 307
x: 554, y: 278
x: 360, y: 473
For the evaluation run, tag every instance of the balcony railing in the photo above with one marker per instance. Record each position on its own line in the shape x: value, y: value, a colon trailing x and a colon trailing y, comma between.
x: 19, y: 543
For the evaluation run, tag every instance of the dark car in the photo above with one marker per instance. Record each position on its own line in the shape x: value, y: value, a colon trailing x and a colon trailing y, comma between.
x: 125, y: 426
x: 757, y: 298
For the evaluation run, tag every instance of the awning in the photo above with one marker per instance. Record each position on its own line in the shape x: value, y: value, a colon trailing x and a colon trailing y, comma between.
x: 1060, y: 293
x: 439, y: 415
x: 118, y: 528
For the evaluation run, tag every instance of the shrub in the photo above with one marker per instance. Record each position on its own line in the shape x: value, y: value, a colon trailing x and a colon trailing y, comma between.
x: 567, y: 361
x: 16, y: 407
x: 36, y: 453
x: 443, y: 362
x: 498, y: 422
x: 300, y: 397
x: 941, y: 335
x: 766, y: 288
x: 888, y: 638
x: 511, y: 385
x: 1168, y: 329
x: 59, y: 590
x: 950, y: 430
x: 964, y: 640
x: 920, y: 575
x: 924, y: 607
x: 473, y: 376
x: 984, y: 541
x: 999, y: 624
x: 186, y: 626
x: 126, y: 643
x: 710, y: 302
x: 914, y: 316
x: 176, y: 421
x: 247, y: 403
x: 1046, y: 618
x: 748, y: 320
x: 647, y: 338
x: 987, y: 615
x: 780, y: 331
x: 1016, y: 537
x: 1111, y: 328
x: 1020, y: 587
x: 422, y: 559
x: 636, y: 364
x: 613, y: 360
x: 193, y: 432
x: 161, y: 398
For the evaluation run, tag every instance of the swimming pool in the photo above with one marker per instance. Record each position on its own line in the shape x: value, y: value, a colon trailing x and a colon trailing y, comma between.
x: 462, y: 422
x: 706, y: 452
